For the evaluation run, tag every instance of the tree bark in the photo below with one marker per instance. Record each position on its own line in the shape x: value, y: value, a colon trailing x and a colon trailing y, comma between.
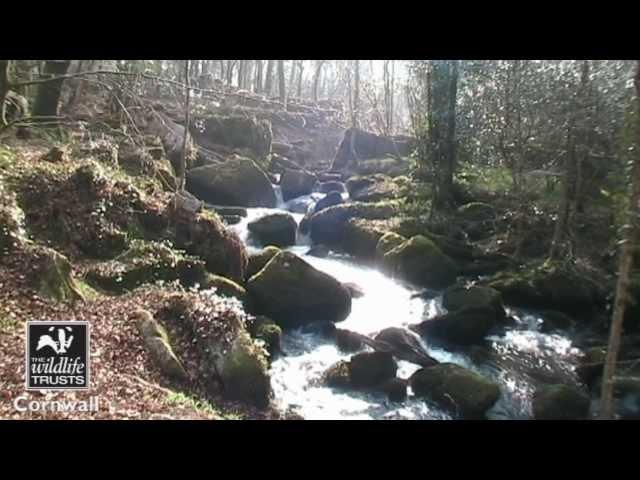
x: 258, y: 79
x: 300, y: 73
x: 48, y: 97
x: 355, y: 123
x: 4, y: 88
x: 183, y: 158
x: 268, y: 79
x: 281, y: 84
x: 625, y: 268
x: 316, y: 79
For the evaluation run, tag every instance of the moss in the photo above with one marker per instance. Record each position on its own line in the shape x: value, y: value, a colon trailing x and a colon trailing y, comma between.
x: 277, y: 229
x: 456, y: 298
x: 225, y: 287
x: 338, y: 375
x: 560, y: 402
x: 257, y: 261
x: 54, y: 276
x: 420, y: 261
x: 388, y: 242
x: 271, y: 335
x: 361, y: 238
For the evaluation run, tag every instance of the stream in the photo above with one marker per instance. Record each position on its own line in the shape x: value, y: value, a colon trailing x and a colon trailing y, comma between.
x: 517, y: 358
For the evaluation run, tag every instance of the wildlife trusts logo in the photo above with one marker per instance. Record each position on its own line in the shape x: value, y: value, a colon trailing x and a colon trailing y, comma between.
x: 57, y: 356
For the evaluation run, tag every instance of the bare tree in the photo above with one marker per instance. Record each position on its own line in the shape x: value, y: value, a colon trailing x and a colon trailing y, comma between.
x: 300, y: 74
x: 355, y: 112
x: 281, y: 84
x: 316, y: 78
x: 48, y: 97
x: 183, y: 156
x: 268, y: 79
x: 258, y: 78
x: 625, y: 267
x: 4, y: 88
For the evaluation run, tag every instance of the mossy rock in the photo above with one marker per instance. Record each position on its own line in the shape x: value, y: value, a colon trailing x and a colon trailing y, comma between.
x: 372, y: 188
x: 388, y: 242
x: 420, y: 261
x: 348, y: 341
x: 361, y: 237
x: 207, y: 237
x: 240, y: 132
x: 294, y: 293
x: 238, y: 182
x: 466, y: 326
x: 456, y: 389
x: 277, y: 229
x: 267, y: 331
x: 147, y: 262
x: 396, y: 389
x: 328, y: 225
x: 554, y: 320
x: 338, y: 375
x: 371, y: 369
x: 295, y: 183
x: 477, y: 211
x: 550, y: 285
x: 225, y: 287
x: 560, y: 402
x: 459, y: 297
x: 329, y: 200
x: 257, y: 261
x: 53, y: 276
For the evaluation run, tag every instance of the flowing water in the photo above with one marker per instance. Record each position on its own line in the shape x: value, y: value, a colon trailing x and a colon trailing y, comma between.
x: 516, y: 359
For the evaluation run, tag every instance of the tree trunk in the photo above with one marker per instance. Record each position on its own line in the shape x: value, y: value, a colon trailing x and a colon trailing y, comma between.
x: 183, y: 158
x: 281, y: 84
x: 48, y: 97
x: 258, y: 79
x: 300, y: 73
x: 292, y: 76
x: 356, y: 94
x: 268, y: 80
x: 450, y: 158
x: 316, y: 79
x: 4, y: 88
x: 626, y: 265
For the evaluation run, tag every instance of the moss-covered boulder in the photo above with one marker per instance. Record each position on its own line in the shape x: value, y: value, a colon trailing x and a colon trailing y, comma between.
x: 157, y: 342
x: 371, y: 369
x: 225, y: 287
x: 551, y: 285
x: 460, y: 391
x: 361, y: 237
x: 147, y: 262
x: 404, y: 345
x: 206, y: 236
x: 52, y: 275
x: 236, y: 132
x: 293, y: 293
x: 257, y: 261
x: 238, y: 181
x: 224, y: 355
x: 420, y: 261
x: 149, y: 161
x: 560, y: 402
x: 277, y: 229
x: 328, y: 225
x: 295, y: 183
x: 459, y: 297
x: 466, y: 326
x: 264, y: 329
x: 372, y: 188
x: 388, y: 242
x: 329, y: 200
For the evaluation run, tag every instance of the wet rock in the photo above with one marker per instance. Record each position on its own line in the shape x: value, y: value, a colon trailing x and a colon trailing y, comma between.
x: 257, y: 261
x: 459, y: 297
x: 265, y: 329
x: 225, y: 210
x: 355, y: 290
x: 554, y: 320
x: 462, y: 392
x: 332, y: 186
x: 551, y: 285
x: 370, y: 369
x: 277, y: 229
x: 238, y: 181
x: 157, y: 342
x: 560, y: 402
x: 396, y: 389
x: 205, y: 235
x: 293, y: 293
x: 466, y: 326
x: 330, y: 177
x: 420, y: 261
x: 332, y: 198
x: 360, y: 238
x: 295, y: 183
x: 328, y: 225
x: 338, y: 375
x: 231, y: 219
x: 404, y: 345
x: 348, y: 341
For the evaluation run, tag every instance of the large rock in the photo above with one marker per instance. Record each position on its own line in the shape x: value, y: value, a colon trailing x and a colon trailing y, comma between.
x: 52, y: 275
x: 257, y: 261
x: 560, y: 402
x: 388, y: 242
x: 205, y: 236
x: 293, y: 293
x: 368, y: 145
x: 550, y: 286
x: 372, y: 188
x: 295, y: 183
x: 463, y: 392
x: 238, y: 181
x: 237, y: 132
x: 332, y: 186
x: 277, y: 229
x: 329, y: 200
x: 370, y: 369
x: 476, y: 211
x: 420, y: 261
x: 459, y: 297
x: 404, y: 345
x: 466, y: 326
x: 328, y: 225
x: 360, y: 238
